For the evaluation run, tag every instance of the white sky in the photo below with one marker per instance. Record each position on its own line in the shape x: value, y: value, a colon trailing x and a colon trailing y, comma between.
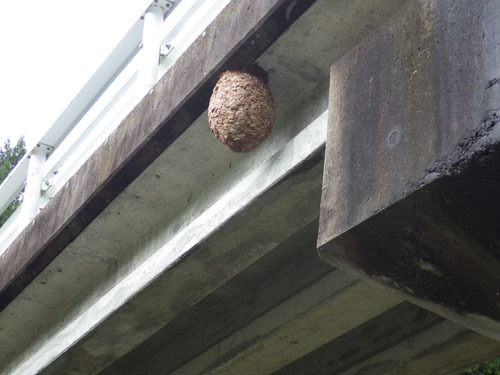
x: 49, y: 49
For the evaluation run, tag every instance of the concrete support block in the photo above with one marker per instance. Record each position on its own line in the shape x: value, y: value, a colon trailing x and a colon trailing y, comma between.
x: 412, y: 168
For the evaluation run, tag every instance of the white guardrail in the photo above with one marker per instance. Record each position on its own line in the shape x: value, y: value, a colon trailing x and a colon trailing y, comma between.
x: 147, y: 51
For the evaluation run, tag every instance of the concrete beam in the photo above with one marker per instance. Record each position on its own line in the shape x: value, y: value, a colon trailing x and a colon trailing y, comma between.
x: 175, y: 276
x: 410, y: 195
x: 152, y: 210
x: 243, y: 31
x: 444, y: 349
x: 328, y: 308
x: 188, y: 177
x: 405, y: 339
x: 273, y: 279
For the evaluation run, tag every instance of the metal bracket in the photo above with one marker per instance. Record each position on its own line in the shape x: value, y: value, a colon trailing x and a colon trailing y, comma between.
x: 165, y: 49
x: 48, y: 189
x: 46, y: 185
x: 164, y: 5
x: 41, y: 148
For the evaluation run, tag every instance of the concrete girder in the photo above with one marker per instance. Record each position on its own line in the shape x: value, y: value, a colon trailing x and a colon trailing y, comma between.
x: 324, y: 310
x: 154, y: 292
x: 232, y: 329
x: 171, y: 106
x: 444, y: 349
x: 156, y: 122
x: 281, y: 59
x: 273, y: 279
x: 404, y: 340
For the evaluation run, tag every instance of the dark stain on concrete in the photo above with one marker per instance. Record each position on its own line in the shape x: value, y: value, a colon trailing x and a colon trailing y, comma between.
x: 423, y: 217
x: 439, y: 244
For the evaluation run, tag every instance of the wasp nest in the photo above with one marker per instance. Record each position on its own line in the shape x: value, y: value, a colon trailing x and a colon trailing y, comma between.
x: 241, y: 110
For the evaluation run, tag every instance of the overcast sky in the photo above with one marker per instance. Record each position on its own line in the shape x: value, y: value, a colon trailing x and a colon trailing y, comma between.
x: 49, y: 49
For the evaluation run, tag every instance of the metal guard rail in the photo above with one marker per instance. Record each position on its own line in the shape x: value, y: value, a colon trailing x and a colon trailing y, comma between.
x: 146, y: 52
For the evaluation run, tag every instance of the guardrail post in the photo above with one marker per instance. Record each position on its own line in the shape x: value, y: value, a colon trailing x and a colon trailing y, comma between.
x: 33, y: 188
x: 151, y: 43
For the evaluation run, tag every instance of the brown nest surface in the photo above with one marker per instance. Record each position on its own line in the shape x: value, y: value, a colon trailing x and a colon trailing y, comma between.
x: 241, y: 111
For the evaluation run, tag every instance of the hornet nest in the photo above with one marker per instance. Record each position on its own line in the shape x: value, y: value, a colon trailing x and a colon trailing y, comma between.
x: 241, y: 111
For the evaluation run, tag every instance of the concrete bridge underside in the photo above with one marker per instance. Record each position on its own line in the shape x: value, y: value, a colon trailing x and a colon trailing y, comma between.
x: 166, y: 253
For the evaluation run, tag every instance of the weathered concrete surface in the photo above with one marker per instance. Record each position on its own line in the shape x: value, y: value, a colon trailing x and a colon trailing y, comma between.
x: 189, y: 260
x: 444, y: 349
x: 303, y: 55
x: 324, y: 310
x: 270, y: 282
x: 238, y: 35
x: 368, y: 340
x: 282, y: 273
x: 410, y: 193
x: 188, y: 178
x: 403, y: 340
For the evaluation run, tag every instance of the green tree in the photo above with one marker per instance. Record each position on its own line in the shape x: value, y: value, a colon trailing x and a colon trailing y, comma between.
x: 491, y: 367
x: 9, y: 156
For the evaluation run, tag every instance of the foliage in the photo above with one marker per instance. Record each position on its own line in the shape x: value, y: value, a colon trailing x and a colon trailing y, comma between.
x: 9, y: 156
x: 491, y: 367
